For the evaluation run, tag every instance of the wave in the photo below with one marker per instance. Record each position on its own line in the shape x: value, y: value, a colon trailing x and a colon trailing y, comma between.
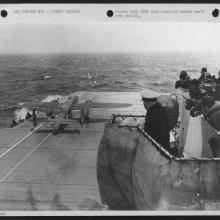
x: 161, y: 84
x: 52, y: 97
x: 9, y: 109
x: 3, y: 106
x: 101, y: 85
x: 193, y: 70
x: 118, y: 82
x: 83, y: 68
x: 46, y: 77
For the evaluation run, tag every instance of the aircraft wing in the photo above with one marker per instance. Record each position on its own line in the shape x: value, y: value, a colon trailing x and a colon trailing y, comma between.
x: 69, y: 121
x: 38, y: 106
x: 110, y: 105
x: 43, y: 106
x: 57, y: 120
x: 104, y: 105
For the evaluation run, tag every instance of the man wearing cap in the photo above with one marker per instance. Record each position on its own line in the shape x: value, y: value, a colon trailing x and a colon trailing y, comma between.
x: 156, y: 119
x: 184, y: 80
x: 204, y: 75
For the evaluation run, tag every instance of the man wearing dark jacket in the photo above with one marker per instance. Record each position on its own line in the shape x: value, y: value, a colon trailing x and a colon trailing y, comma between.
x: 184, y: 80
x: 34, y: 118
x: 156, y: 120
x: 204, y: 75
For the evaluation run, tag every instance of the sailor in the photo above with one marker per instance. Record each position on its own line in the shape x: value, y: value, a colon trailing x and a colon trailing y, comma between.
x: 194, y: 102
x: 204, y: 75
x: 184, y: 80
x: 211, y: 111
x: 71, y: 102
x: 34, y: 118
x: 28, y: 116
x: 13, y: 124
x: 156, y: 119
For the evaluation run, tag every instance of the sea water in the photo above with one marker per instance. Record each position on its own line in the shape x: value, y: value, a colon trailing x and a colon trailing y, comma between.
x: 33, y: 77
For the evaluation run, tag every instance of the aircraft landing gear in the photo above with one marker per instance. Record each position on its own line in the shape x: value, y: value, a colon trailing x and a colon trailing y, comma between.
x: 58, y: 129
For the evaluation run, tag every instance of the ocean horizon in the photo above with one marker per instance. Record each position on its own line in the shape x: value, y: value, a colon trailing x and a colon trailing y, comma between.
x: 33, y: 77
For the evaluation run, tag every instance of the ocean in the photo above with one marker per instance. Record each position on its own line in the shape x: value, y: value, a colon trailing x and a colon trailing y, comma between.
x: 34, y: 77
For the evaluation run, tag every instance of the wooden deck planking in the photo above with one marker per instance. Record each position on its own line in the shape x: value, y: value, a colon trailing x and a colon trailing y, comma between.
x: 60, y: 173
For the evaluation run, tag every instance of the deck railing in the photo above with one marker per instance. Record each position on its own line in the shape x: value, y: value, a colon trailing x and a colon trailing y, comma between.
x: 155, y: 143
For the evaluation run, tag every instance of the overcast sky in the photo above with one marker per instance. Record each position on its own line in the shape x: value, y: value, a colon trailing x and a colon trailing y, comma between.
x: 109, y: 37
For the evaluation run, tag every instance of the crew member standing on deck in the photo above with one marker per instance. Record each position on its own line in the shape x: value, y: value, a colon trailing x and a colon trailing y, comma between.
x: 156, y: 119
x: 204, y: 75
x: 34, y: 118
x: 184, y: 80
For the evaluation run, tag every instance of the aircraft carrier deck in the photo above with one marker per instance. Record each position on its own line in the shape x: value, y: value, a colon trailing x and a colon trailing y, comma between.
x: 40, y: 170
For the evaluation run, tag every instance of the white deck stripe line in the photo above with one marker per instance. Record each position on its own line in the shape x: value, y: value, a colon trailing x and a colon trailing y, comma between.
x: 24, y: 159
x: 16, y: 144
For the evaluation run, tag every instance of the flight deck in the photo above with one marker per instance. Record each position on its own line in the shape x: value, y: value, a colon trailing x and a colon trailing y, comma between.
x: 45, y: 171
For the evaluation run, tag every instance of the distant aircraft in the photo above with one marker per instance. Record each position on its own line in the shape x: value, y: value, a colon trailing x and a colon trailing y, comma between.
x: 60, y: 114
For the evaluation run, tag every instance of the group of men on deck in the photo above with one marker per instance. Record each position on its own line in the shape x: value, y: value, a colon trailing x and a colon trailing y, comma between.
x: 204, y: 99
x: 204, y: 96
